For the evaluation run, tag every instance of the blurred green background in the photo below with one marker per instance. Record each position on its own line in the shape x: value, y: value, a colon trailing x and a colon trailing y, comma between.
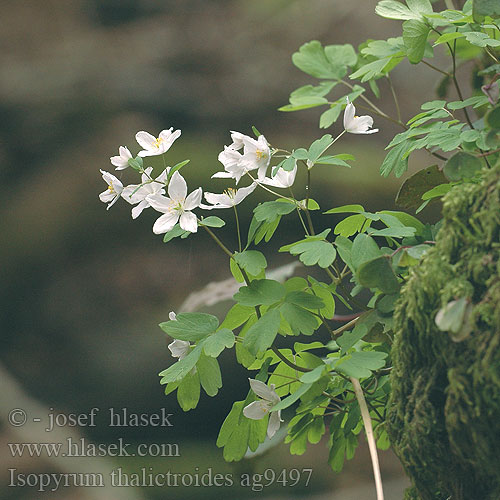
x: 83, y: 289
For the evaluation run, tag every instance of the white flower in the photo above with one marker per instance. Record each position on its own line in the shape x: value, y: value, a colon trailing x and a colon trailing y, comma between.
x: 136, y: 194
x: 115, y: 188
x: 282, y: 179
x: 179, y: 348
x: 357, y: 124
x: 228, y: 198
x: 259, y: 409
x: 156, y: 145
x: 121, y: 161
x: 177, y: 207
x: 256, y: 155
x: 233, y: 166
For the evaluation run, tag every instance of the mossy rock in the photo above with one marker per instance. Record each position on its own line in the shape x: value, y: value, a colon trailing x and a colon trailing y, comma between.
x: 444, y: 411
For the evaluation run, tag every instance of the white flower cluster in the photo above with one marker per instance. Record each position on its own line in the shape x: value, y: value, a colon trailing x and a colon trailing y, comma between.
x: 242, y: 157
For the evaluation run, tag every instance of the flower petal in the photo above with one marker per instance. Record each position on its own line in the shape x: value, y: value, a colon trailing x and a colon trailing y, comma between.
x: 189, y: 222
x: 193, y: 200
x: 145, y: 140
x: 255, y: 410
x: 160, y: 203
x: 177, y: 187
x: 136, y: 211
x: 179, y: 348
x: 264, y: 391
x: 166, y: 222
x: 349, y: 113
x: 222, y: 200
x: 274, y: 424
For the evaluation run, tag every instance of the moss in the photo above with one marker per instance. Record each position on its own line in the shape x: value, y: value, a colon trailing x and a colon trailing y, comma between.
x: 444, y: 411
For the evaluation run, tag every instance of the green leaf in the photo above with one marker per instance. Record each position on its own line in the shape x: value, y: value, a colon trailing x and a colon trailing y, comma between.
x: 252, y: 261
x: 326, y: 296
x: 236, y: 316
x: 136, y: 163
x: 481, y: 39
x: 348, y: 339
x: 462, y: 166
x: 483, y: 8
x: 361, y: 364
x: 411, y: 191
x: 188, y: 391
x: 318, y: 147
x: 312, y: 59
x: 330, y: 116
x: 260, y: 292
x: 299, y: 103
x: 270, y: 210
x: 212, y: 221
x: 420, y: 7
x: 448, y: 37
x: 350, y: 225
x: 364, y: 248
x: 332, y: 160
x: 177, y: 167
x: 345, y: 209
x: 181, y: 368
x: 260, y: 336
x: 239, y: 433
x: 299, y: 319
x: 415, y: 38
x: 344, y: 55
x: 313, y: 91
x: 312, y: 252
x: 395, y: 10
x: 493, y: 118
x: 190, y: 326
x: 378, y: 273
x: 209, y: 373
x: 174, y: 233
x: 344, y: 248
x: 437, y: 191
x: 216, y: 343
x: 236, y: 271
x: 395, y: 160
x: 371, y: 70
x: 285, y: 403
x: 304, y: 299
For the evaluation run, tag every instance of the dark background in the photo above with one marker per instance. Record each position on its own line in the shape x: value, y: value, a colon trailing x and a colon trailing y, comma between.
x: 83, y: 289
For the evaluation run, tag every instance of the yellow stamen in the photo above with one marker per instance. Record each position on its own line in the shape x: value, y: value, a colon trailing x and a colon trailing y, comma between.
x: 111, y: 188
x: 260, y: 154
x: 157, y: 143
x: 231, y: 192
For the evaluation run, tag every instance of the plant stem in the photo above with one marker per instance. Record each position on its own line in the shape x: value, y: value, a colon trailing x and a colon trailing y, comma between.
x: 237, y: 227
x: 395, y: 97
x: 308, y: 215
x: 367, y: 422
x: 219, y: 242
x: 345, y: 327
x: 436, y: 68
